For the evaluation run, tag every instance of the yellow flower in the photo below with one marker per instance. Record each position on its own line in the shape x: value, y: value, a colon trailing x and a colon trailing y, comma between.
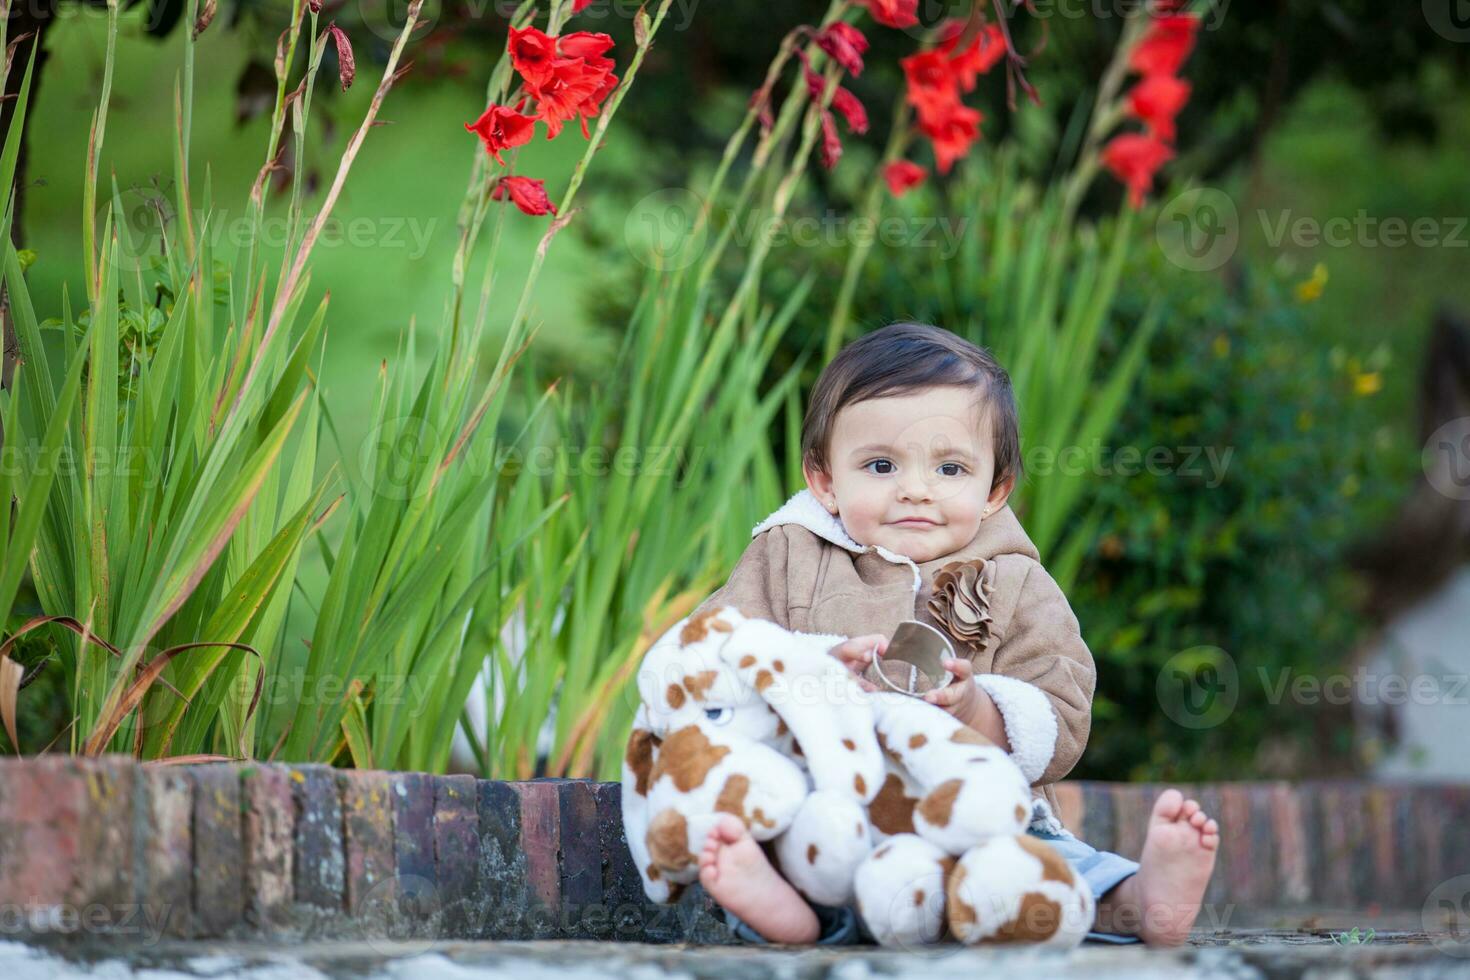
x: 1310, y: 289
x: 1222, y: 345
x: 1367, y: 384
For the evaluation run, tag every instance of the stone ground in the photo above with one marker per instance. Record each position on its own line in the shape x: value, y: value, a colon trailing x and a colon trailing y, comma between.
x: 1238, y: 953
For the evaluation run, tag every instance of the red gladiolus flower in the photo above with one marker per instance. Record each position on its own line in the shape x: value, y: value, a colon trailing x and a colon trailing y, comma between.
x: 894, y: 13
x: 952, y: 133
x: 845, y: 44
x: 851, y: 110
x: 1157, y: 100
x: 531, y: 54
x: 983, y: 53
x: 902, y: 176
x: 1165, y: 47
x: 932, y: 86
x: 587, y: 45
x: 500, y: 128
x: 1134, y: 158
x: 831, y: 149
x: 526, y: 193
x: 580, y: 5
x: 573, y: 88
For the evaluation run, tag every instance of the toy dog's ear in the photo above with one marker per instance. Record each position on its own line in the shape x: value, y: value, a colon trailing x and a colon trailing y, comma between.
x: 638, y: 762
x: 830, y: 716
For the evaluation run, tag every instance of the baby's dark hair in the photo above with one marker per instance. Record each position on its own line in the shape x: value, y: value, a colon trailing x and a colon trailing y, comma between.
x: 902, y: 358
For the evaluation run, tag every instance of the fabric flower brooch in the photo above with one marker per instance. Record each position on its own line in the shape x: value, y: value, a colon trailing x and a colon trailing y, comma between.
x: 961, y: 602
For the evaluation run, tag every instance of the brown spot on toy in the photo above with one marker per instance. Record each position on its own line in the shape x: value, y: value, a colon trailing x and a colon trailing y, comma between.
x: 701, y: 623
x: 675, y: 696
x: 849, y: 744
x: 653, y: 872
x: 881, y: 851
x: 781, y: 728
x: 675, y: 890
x: 796, y: 749
x: 965, y: 735
x: 917, y: 740
x: 860, y: 784
x: 732, y: 800
x: 961, y: 913
x: 668, y: 841
x: 1053, y: 866
x: 763, y: 680
x: 700, y: 683
x: 747, y: 661
x: 1036, y: 920
x: 938, y: 806
x: 891, y: 811
x: 919, y: 897
x: 778, y: 665
x: 811, y: 854
x: 640, y: 758
x: 859, y: 829
x: 687, y: 756
x: 1020, y: 812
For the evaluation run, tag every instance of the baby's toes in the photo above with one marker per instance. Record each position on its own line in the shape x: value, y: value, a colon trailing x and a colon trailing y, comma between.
x: 1189, y: 810
x: 1198, y: 818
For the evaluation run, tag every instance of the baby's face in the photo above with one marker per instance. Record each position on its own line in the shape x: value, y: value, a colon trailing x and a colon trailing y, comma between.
x: 912, y: 472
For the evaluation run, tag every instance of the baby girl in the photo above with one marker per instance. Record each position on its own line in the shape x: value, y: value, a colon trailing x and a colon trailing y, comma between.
x: 911, y: 448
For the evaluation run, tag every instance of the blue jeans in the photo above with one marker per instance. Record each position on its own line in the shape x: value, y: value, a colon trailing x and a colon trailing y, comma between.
x: 1102, y: 870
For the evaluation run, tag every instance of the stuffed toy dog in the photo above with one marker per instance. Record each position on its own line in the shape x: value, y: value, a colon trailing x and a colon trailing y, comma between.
x: 872, y: 798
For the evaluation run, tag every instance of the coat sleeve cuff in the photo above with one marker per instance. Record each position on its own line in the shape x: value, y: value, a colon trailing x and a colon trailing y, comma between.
x: 1030, y: 722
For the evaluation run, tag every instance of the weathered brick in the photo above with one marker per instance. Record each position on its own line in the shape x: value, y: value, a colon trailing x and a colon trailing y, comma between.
x: 416, y: 890
x: 219, y: 851
x: 622, y: 888
x: 1070, y: 808
x: 163, y: 878
x: 105, y: 877
x: 1290, y: 833
x: 367, y: 825
x: 318, y: 868
x: 270, y: 817
x: 1217, y: 892
x: 1238, y: 861
x: 1266, y: 875
x: 1385, y: 866
x: 1098, y: 825
x: 457, y: 852
x: 502, y: 862
x: 1132, y: 805
x: 41, y: 814
x: 581, y: 863
x: 541, y: 838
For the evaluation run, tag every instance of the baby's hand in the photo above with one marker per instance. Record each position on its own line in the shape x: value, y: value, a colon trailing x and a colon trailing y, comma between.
x: 857, y: 653
x: 960, y: 697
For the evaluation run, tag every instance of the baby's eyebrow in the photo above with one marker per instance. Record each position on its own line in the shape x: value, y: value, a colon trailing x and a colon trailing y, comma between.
x: 875, y: 447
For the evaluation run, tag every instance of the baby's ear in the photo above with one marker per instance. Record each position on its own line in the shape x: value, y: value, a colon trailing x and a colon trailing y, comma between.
x: 818, y: 481
x: 1000, y: 493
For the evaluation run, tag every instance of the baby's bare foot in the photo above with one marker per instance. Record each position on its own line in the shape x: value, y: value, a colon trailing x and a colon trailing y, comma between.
x: 1163, y: 899
x: 735, y: 872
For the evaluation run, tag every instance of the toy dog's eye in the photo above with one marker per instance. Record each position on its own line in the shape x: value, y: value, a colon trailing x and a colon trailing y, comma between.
x: 720, y: 716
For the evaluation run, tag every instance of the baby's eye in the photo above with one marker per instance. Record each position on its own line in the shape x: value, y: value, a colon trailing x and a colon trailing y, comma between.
x: 959, y: 470
x: 882, y: 462
x: 719, y: 716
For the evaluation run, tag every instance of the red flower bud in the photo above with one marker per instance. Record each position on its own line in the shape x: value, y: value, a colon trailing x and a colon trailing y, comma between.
x: 1165, y: 46
x: 1134, y: 158
x: 851, y: 110
x: 845, y: 44
x: 903, y: 175
x: 894, y: 13
x: 526, y: 193
x: 346, y: 67
x: 831, y: 150
x: 1157, y: 100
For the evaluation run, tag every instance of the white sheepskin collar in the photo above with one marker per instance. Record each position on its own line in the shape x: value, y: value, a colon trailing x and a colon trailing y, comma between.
x: 805, y: 509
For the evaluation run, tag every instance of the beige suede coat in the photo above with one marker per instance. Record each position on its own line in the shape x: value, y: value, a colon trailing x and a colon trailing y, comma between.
x: 805, y: 573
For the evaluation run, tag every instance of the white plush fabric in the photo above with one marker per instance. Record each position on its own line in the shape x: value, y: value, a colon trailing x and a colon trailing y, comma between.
x: 1030, y: 722
x: 742, y: 717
